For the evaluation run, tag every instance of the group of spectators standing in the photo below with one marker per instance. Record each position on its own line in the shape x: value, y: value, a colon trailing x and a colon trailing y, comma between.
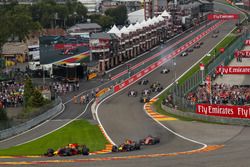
x: 221, y: 94
x: 63, y: 88
x: 11, y: 94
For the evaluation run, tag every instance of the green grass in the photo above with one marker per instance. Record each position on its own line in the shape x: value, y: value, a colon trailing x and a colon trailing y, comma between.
x: 206, y: 60
x: 157, y: 106
x: 80, y: 131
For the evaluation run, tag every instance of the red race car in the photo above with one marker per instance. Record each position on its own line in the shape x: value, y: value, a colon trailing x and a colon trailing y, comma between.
x: 150, y: 140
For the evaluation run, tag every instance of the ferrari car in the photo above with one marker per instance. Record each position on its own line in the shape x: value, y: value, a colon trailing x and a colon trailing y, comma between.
x: 132, y: 93
x: 128, y: 145
x: 150, y: 140
x: 197, y: 45
x: 165, y: 71
x: 143, y: 82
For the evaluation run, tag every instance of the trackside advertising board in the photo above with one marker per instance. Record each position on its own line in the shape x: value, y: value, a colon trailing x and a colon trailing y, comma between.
x: 222, y: 16
x: 233, y: 70
x: 247, y: 42
x: 243, y: 53
x: 155, y: 65
x: 223, y: 110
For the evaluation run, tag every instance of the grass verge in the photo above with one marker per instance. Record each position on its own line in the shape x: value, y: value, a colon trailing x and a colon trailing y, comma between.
x: 207, y: 59
x: 80, y: 131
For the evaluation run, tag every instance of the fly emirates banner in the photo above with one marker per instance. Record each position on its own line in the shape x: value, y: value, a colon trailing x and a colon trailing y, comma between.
x: 223, y: 110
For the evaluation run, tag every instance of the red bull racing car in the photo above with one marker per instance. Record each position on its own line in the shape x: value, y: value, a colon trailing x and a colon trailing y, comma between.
x: 128, y: 145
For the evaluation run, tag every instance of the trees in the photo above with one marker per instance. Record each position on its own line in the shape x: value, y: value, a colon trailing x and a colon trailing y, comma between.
x: 36, y: 100
x: 28, y: 91
x: 32, y: 96
x: 105, y: 22
x: 118, y: 14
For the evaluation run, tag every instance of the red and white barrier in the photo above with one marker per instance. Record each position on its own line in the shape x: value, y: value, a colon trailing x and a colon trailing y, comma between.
x: 222, y: 16
x: 233, y: 70
x: 155, y: 65
x: 247, y: 42
x: 169, y: 47
x: 223, y: 110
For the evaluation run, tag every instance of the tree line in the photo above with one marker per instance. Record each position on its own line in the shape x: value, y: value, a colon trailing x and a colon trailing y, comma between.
x: 18, y: 21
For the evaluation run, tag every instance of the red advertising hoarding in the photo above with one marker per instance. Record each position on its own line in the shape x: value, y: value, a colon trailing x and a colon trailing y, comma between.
x: 222, y: 16
x: 135, y: 77
x: 247, y: 42
x: 233, y: 70
x: 223, y: 110
x: 243, y: 53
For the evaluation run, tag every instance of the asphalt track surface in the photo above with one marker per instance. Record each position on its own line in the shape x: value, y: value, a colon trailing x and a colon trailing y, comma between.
x: 71, y: 110
x: 123, y: 117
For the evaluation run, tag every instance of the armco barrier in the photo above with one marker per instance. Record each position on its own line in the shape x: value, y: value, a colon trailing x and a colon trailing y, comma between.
x: 28, y: 125
x: 223, y: 120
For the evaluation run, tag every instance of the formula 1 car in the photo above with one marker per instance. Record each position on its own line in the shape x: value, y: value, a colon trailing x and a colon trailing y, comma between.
x: 197, y: 45
x: 145, y: 99
x: 143, y: 82
x: 214, y: 35
x: 155, y: 84
x: 150, y: 140
x: 183, y: 54
x: 190, y: 50
x: 128, y: 145
x: 157, y: 89
x: 165, y: 71
x: 132, y: 93
x: 69, y: 150
x: 146, y: 92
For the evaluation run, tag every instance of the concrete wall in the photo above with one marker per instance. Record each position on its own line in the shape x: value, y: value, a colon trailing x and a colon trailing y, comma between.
x: 28, y: 125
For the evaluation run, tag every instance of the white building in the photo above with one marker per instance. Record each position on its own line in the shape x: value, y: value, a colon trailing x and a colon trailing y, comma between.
x: 91, y: 5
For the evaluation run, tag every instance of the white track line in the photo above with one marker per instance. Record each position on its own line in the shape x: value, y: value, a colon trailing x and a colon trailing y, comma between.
x: 144, y: 107
x: 106, y: 134
x: 33, y: 127
x: 58, y: 127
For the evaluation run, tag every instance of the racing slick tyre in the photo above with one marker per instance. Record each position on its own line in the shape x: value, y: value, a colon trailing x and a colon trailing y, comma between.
x: 85, y: 151
x: 137, y: 146
x: 114, y: 149
x: 49, y: 153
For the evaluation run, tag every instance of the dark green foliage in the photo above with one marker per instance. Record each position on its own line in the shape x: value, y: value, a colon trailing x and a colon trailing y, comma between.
x: 28, y: 91
x: 105, y: 22
x: 3, y: 115
x: 36, y: 100
x: 118, y: 14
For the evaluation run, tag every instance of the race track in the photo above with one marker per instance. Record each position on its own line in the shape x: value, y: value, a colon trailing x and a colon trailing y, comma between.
x: 123, y: 118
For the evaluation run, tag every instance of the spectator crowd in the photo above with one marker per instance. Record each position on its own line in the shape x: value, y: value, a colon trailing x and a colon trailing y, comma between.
x: 63, y: 88
x: 11, y: 94
x: 221, y: 94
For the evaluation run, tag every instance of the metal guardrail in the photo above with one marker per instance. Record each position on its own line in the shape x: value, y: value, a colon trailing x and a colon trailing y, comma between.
x: 31, y: 123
